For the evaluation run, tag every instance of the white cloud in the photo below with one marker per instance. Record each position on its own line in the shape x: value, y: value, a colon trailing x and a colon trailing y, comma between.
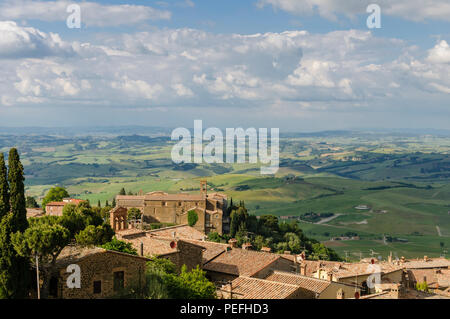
x: 92, y: 14
x: 138, y: 88
x: 20, y: 42
x: 416, y: 10
x: 176, y: 68
x: 440, y: 53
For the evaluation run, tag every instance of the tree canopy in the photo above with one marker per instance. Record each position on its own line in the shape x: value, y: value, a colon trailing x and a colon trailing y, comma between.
x: 164, y: 282
x: 267, y: 231
x: 55, y: 194
x: 192, y: 217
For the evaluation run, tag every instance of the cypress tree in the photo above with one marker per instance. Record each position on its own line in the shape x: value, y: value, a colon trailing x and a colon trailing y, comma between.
x: 114, y: 202
x: 106, y: 204
x: 17, y: 190
x: 5, y: 248
x: 99, y: 204
x: 14, y: 269
x: 4, y: 188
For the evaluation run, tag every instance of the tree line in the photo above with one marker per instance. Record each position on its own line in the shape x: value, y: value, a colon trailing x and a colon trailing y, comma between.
x: 267, y: 231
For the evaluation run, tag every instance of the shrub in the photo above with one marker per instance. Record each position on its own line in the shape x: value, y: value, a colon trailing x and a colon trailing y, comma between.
x: 192, y: 218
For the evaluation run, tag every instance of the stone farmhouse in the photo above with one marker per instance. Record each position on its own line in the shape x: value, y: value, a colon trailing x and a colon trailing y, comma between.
x: 161, y: 207
x: 104, y: 273
x: 56, y: 208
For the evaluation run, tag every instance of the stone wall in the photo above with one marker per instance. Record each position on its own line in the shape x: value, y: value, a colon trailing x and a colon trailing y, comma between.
x: 101, y: 267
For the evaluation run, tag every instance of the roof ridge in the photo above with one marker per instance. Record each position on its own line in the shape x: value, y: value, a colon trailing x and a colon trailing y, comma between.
x: 272, y: 281
x: 299, y: 275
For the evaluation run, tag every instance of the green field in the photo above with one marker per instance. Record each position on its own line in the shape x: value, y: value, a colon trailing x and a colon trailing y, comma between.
x: 402, y: 179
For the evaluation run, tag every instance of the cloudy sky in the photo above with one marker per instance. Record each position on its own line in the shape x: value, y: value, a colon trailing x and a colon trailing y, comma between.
x: 303, y: 65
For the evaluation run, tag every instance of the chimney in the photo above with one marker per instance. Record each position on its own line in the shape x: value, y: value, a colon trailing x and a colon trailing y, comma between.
x: 396, y: 292
x: 402, y: 260
x: 266, y: 249
x: 142, y: 249
x: 390, y: 258
x: 246, y: 246
x: 425, y: 258
x: 303, y: 269
x: 340, y: 294
x: 174, y: 234
x: 330, y: 276
x: 233, y: 242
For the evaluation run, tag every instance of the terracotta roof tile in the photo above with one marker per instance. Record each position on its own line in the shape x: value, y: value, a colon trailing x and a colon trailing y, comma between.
x: 308, y: 283
x: 252, y: 288
x: 181, y: 231
x: 431, y: 263
x: 241, y: 262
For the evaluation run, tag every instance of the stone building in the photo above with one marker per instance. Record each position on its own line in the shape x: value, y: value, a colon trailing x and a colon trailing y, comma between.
x: 118, y: 218
x: 161, y: 207
x: 148, y: 244
x: 56, y: 208
x: 234, y: 262
x: 103, y: 273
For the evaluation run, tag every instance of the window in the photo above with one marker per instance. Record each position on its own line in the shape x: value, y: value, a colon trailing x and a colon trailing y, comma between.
x: 119, y: 282
x: 97, y: 287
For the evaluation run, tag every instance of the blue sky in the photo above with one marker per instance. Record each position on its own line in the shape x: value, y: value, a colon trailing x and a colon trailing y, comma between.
x: 301, y: 65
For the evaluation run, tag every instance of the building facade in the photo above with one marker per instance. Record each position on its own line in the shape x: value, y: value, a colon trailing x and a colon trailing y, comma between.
x: 161, y: 207
x: 56, y: 208
x: 103, y: 273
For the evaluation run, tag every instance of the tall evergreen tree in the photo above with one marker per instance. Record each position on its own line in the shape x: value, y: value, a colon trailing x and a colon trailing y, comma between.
x: 122, y: 191
x: 99, y: 204
x: 14, y: 269
x: 113, y: 202
x: 17, y: 190
x: 4, y: 188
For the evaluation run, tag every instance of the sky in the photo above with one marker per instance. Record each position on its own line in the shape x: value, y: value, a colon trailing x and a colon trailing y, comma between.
x: 297, y: 65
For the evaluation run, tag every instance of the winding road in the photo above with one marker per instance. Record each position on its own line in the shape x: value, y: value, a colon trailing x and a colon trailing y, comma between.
x: 325, y: 220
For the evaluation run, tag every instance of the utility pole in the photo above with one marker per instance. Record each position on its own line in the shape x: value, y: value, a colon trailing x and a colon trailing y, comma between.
x: 37, y: 277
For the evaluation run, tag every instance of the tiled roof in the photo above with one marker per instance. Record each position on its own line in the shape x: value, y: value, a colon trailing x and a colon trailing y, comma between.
x: 34, y: 212
x: 408, y: 294
x: 181, y: 231
x: 56, y: 204
x: 252, y: 288
x: 130, y: 197
x: 66, y: 201
x: 431, y: 263
x: 434, y: 279
x: 212, y: 249
x: 153, y: 246
x: 308, y: 283
x: 241, y: 262
x: 171, y: 197
x: 71, y: 254
x: 129, y: 231
x: 344, y: 270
